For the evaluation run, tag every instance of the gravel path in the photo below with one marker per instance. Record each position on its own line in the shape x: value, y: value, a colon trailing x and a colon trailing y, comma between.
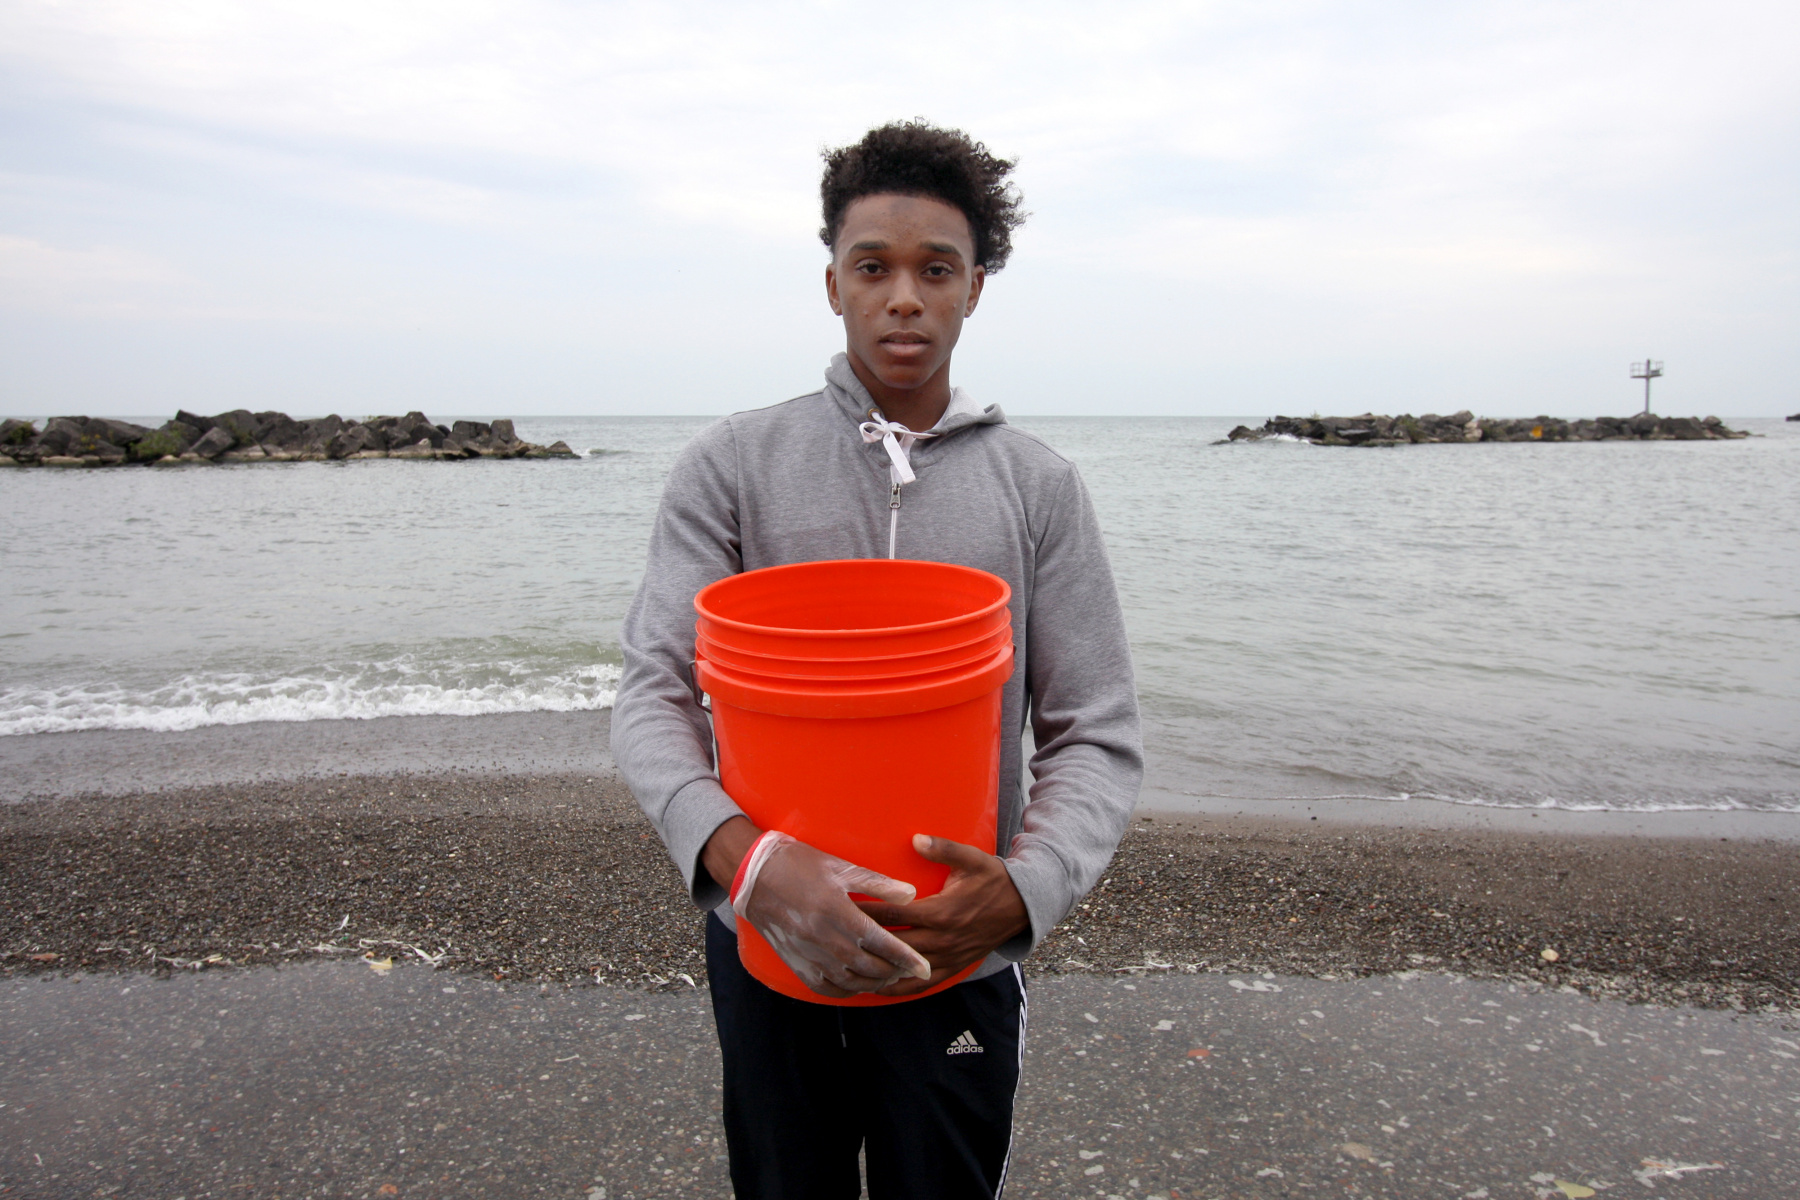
x: 556, y: 877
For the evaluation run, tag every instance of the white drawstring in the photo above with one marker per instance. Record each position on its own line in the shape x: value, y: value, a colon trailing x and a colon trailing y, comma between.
x: 898, y: 441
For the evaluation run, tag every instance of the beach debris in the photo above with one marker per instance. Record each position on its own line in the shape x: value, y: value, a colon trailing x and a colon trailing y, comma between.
x: 432, y: 959
x: 1271, y: 1172
x: 1358, y: 1150
x: 1090, y: 1018
x: 192, y: 964
x: 1150, y: 963
x: 45, y: 957
x: 1087, y: 1154
x: 1200, y: 1052
x: 1255, y: 985
x: 1589, y: 1032
x: 1164, y: 1026
x: 381, y: 966
x: 686, y: 978
x: 1548, y: 955
x: 1656, y: 1168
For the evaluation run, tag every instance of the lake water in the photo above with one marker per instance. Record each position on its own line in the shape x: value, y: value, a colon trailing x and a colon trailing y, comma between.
x: 1562, y: 626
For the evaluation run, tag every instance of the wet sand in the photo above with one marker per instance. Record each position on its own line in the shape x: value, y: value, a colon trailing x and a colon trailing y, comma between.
x: 115, y: 762
x: 330, y: 1079
x: 123, y: 762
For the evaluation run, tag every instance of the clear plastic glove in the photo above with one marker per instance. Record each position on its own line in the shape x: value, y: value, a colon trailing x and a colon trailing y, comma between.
x: 798, y: 899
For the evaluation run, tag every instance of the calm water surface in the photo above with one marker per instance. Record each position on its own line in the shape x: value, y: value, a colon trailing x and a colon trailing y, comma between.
x: 1612, y: 626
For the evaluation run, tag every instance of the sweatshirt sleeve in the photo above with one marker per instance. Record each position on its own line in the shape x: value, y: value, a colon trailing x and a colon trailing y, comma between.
x: 661, y: 739
x: 1089, y: 762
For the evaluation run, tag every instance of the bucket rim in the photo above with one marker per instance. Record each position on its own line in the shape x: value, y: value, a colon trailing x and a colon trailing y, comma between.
x: 995, y: 635
x: 793, y: 669
x: 855, y: 697
x: 1004, y: 599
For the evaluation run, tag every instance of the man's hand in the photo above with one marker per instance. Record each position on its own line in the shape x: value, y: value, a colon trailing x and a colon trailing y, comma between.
x: 797, y: 898
x: 978, y: 910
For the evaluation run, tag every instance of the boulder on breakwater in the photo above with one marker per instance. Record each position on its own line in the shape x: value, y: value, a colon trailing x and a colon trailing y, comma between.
x: 1406, y: 429
x: 243, y: 436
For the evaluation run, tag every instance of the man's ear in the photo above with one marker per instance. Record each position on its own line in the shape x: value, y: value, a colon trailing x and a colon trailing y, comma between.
x: 831, y: 292
x: 976, y: 280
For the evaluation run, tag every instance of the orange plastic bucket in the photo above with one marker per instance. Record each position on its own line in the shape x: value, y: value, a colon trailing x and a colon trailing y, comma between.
x: 856, y: 703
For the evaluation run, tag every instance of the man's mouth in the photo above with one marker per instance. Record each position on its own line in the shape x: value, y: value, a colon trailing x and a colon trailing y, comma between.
x: 904, y: 339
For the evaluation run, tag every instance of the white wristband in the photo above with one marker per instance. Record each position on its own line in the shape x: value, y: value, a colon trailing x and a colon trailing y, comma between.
x: 760, y: 851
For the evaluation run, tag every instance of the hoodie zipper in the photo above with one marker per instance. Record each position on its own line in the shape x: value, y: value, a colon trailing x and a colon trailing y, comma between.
x: 893, y: 514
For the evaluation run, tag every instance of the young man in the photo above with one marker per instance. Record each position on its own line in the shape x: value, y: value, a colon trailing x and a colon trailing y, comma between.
x: 888, y: 460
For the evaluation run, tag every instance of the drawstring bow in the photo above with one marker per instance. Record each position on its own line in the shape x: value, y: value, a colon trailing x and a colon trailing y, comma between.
x: 898, y: 441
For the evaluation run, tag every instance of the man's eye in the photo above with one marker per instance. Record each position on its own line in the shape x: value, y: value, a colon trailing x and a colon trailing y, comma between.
x: 869, y: 268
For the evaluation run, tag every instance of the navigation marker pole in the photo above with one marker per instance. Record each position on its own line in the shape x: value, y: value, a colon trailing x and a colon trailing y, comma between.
x: 1647, y: 370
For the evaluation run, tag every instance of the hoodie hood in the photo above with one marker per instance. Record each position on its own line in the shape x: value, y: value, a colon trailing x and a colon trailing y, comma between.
x: 849, y: 394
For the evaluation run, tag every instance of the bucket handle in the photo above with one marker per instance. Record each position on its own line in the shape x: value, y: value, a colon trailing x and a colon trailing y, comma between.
x: 705, y: 706
x: 694, y: 686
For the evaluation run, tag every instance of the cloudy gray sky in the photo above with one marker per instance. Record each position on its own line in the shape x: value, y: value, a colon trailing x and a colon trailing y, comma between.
x: 1239, y: 208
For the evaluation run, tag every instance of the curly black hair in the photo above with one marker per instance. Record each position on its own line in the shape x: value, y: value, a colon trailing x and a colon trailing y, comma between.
x: 916, y: 158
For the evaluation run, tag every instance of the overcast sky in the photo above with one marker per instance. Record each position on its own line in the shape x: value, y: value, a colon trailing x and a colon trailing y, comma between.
x: 1238, y: 208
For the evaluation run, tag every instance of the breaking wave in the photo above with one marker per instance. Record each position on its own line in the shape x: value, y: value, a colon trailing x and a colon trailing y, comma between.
x: 401, y: 687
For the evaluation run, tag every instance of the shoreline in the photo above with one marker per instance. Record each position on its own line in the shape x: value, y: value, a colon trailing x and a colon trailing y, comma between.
x: 554, y: 876
x: 1418, y: 812
x: 116, y: 762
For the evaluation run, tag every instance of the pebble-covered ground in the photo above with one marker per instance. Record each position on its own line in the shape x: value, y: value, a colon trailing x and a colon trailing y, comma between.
x: 557, y: 878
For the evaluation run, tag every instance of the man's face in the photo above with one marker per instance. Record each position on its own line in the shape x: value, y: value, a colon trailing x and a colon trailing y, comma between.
x: 903, y: 278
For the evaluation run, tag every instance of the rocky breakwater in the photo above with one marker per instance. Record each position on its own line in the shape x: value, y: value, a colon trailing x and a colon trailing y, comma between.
x: 243, y: 436
x: 1406, y: 429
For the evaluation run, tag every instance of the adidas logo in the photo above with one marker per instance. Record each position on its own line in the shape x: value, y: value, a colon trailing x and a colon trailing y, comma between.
x: 965, y: 1043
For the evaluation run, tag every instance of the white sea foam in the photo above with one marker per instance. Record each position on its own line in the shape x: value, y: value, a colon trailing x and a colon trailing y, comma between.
x: 1783, y: 802
x: 355, y: 692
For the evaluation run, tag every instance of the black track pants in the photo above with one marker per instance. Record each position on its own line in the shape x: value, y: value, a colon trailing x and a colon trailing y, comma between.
x: 924, y: 1088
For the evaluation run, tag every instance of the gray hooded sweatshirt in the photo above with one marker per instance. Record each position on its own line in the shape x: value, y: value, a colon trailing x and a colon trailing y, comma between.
x: 796, y: 482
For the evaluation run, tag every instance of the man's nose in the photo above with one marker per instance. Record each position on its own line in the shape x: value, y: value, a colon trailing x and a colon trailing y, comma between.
x: 904, y: 300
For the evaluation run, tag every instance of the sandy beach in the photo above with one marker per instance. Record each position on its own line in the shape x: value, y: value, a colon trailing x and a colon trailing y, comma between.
x: 553, y: 875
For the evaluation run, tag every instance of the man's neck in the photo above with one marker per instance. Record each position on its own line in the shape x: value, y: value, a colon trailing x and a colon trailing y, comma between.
x: 916, y: 408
